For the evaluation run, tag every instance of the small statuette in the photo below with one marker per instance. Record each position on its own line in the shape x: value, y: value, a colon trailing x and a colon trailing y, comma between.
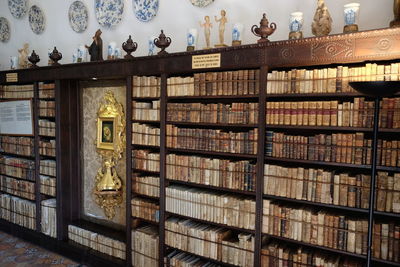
x: 34, y: 58
x: 351, y: 17
x: 296, y: 25
x: 322, y: 24
x: 221, y: 28
x: 55, y: 56
x: 396, y: 11
x: 23, y: 56
x: 191, y: 39
x: 96, y: 48
x: 162, y: 42
x: 237, y: 31
x: 264, y: 30
x: 207, y: 25
x: 129, y: 47
x: 152, y: 46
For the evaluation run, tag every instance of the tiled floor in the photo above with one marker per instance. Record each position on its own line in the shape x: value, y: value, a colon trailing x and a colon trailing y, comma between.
x: 15, y: 252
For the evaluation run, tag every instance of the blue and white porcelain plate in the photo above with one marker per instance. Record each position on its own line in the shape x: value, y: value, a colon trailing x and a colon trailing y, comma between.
x: 78, y: 16
x: 36, y: 19
x: 201, y: 3
x: 18, y: 8
x: 145, y: 10
x: 109, y: 12
x: 4, y: 30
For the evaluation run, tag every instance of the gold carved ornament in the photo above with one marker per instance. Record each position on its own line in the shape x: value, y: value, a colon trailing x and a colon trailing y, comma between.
x: 110, y: 145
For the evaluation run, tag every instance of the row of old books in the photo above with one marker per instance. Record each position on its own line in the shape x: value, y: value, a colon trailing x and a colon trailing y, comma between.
x: 386, y: 241
x: 145, y: 209
x: 17, y: 187
x: 47, y: 128
x: 17, y: 145
x: 241, y: 82
x: 316, y: 227
x: 226, y: 209
x: 46, y: 90
x: 276, y: 254
x: 318, y: 185
x: 47, y: 108
x: 49, y: 217
x: 324, y: 113
x: 18, y: 211
x: 212, y: 140
x: 208, y: 241
x: 177, y: 258
x: 148, y: 111
x: 47, y: 147
x: 144, y: 134
x: 97, y: 241
x: 146, y: 160
x: 243, y: 113
x: 146, y: 185
x: 48, y: 167
x: 48, y: 185
x: 145, y: 243
x: 17, y: 167
x: 388, y: 192
x: 351, y: 148
x: 238, y: 175
x: 328, y: 80
x: 146, y: 86
x: 331, y: 230
x: 16, y: 91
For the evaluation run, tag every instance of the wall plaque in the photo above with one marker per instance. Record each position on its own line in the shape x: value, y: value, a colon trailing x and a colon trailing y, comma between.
x: 12, y: 77
x: 16, y: 117
x: 206, y: 61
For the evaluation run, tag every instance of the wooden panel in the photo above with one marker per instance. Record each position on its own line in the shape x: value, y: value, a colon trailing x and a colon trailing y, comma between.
x: 344, y: 48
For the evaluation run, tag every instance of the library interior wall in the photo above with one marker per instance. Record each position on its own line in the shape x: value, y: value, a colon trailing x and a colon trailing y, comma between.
x: 174, y: 17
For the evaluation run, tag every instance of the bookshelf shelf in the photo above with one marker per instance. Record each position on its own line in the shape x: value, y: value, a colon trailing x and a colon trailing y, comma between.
x: 134, y: 194
x: 139, y: 146
x: 384, y: 262
x: 14, y: 155
x: 320, y: 128
x: 211, y: 98
x: 216, y: 188
x: 314, y: 95
x: 146, y: 122
x: 211, y: 153
x: 326, y: 249
x: 314, y: 162
x: 317, y: 204
x: 219, y: 263
x: 145, y: 98
x: 213, y: 125
x: 390, y: 215
x: 145, y: 172
x: 145, y: 221
x: 18, y: 196
x: 233, y: 228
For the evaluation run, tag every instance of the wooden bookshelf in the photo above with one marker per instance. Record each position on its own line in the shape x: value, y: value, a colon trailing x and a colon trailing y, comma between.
x: 355, y: 50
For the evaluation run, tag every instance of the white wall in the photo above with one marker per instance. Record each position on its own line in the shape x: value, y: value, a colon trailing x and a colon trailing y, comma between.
x: 175, y: 17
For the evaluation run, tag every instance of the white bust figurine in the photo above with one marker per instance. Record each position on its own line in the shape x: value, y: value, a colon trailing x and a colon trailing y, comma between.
x: 322, y: 24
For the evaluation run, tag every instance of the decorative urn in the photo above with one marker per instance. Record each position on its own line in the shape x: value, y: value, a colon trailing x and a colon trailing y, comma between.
x: 264, y: 30
x: 55, y: 56
x: 34, y: 58
x: 162, y: 42
x: 129, y: 47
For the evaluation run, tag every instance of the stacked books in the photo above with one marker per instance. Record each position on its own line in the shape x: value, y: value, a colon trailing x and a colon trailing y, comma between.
x: 97, y: 241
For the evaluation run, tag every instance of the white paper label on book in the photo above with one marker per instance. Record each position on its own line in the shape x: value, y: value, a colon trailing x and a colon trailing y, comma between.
x: 206, y: 61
